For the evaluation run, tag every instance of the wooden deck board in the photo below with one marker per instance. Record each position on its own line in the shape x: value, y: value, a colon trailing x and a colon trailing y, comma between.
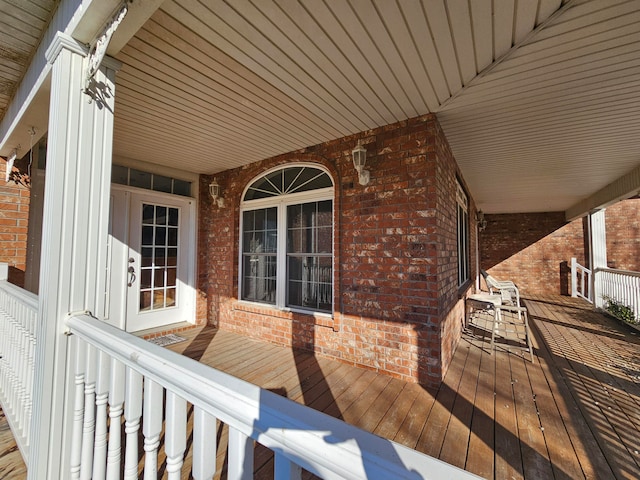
x: 572, y: 413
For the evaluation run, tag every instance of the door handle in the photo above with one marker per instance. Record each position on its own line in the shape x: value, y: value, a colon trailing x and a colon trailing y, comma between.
x: 132, y: 275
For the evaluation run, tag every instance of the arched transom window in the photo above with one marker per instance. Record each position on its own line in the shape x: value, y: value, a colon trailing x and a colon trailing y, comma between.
x: 287, y: 239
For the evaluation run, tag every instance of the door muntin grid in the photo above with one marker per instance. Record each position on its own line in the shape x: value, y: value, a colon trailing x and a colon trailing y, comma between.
x: 158, y: 257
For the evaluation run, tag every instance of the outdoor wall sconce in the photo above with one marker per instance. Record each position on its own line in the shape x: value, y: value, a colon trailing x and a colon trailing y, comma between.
x: 10, y: 160
x: 359, y: 160
x: 214, y: 191
x: 482, y: 222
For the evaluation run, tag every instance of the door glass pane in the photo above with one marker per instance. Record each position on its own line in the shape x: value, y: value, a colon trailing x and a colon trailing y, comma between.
x: 158, y: 262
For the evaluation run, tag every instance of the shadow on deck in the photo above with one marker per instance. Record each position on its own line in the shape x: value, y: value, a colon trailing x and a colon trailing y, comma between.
x: 572, y: 413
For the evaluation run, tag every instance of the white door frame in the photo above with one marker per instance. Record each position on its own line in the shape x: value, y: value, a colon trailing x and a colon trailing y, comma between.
x: 119, y: 239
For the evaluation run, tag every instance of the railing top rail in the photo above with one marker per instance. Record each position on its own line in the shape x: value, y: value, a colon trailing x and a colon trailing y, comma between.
x: 25, y: 296
x: 319, y: 443
x: 628, y: 273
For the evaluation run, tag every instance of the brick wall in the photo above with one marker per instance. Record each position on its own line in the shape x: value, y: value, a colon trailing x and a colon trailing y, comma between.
x: 623, y: 235
x: 14, y: 218
x: 393, y: 266
x: 533, y: 250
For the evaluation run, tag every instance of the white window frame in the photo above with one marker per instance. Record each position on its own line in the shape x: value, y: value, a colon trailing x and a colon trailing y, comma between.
x: 462, y: 241
x: 282, y: 202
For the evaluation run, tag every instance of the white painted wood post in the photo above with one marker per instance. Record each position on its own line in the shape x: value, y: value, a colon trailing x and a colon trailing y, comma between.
x: 116, y: 409
x: 598, y: 242
x: 175, y: 441
x: 285, y: 469
x: 240, y: 461
x: 74, y: 241
x: 132, y: 414
x: 574, y: 277
x: 204, y: 445
x: 151, y: 427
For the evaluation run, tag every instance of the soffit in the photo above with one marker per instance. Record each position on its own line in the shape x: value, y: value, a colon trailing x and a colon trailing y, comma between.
x: 211, y: 86
x: 22, y: 24
x: 559, y: 119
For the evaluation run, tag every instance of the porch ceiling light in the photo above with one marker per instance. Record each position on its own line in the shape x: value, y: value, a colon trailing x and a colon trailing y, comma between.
x: 359, y: 161
x: 214, y: 191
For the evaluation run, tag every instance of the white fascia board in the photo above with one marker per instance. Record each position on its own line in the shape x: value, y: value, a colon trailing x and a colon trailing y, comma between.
x: 26, y: 107
x: 80, y: 19
x: 624, y: 187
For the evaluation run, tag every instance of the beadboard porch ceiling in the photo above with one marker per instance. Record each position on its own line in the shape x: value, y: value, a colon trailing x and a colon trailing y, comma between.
x: 539, y: 99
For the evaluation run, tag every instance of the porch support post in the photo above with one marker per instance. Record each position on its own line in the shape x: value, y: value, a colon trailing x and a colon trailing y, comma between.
x: 74, y: 241
x: 598, y: 243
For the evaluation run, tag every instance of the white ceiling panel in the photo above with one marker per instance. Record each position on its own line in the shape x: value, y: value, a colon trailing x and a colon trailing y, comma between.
x: 539, y: 99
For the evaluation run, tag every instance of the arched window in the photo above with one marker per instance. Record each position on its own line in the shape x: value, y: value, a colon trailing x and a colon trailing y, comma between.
x: 287, y: 239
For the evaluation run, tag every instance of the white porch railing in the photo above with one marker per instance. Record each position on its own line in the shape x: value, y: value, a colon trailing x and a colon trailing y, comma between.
x: 623, y: 286
x: 18, y: 316
x: 114, y: 368
x: 580, y: 281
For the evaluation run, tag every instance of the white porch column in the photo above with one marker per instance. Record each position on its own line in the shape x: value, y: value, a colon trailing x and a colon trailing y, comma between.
x: 598, y: 244
x: 74, y: 240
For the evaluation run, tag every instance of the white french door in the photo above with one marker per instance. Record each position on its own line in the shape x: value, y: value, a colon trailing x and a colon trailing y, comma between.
x: 152, y: 251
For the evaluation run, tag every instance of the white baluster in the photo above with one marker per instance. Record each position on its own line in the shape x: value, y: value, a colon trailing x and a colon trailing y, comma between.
x: 175, y: 440
x: 285, y: 469
x: 204, y: 445
x: 116, y: 408
x: 89, y: 423
x: 240, y: 456
x: 132, y: 414
x: 102, y: 399
x: 77, y: 346
x: 151, y: 427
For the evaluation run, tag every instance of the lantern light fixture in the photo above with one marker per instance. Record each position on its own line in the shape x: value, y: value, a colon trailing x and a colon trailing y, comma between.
x: 359, y: 161
x: 482, y: 222
x: 214, y: 191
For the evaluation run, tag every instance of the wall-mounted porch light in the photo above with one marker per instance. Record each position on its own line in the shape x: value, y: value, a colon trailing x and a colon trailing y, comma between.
x: 482, y: 222
x: 359, y: 161
x: 10, y: 161
x: 214, y: 191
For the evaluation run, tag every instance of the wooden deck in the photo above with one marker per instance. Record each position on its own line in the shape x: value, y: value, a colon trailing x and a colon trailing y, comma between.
x: 572, y: 413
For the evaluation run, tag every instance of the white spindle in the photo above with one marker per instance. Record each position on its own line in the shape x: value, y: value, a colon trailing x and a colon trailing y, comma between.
x: 285, y: 469
x: 116, y: 408
x: 151, y: 427
x: 80, y: 349
x: 240, y: 465
x: 102, y: 399
x: 175, y: 442
x: 204, y: 445
x: 89, y: 422
x: 132, y: 414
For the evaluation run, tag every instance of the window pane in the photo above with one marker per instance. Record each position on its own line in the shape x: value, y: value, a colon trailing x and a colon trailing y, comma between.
x: 170, y: 300
x: 173, y: 237
x: 146, y: 258
x: 147, y: 235
x: 160, y: 255
x: 248, y: 219
x: 259, y: 278
x: 120, y: 175
x: 324, y: 242
x: 139, y: 179
x: 147, y: 214
x: 161, y: 215
x: 173, y: 217
x: 310, y: 282
x: 180, y: 187
x: 161, y: 236
x: 172, y: 256
x: 325, y: 214
x: 161, y: 184
x: 145, y: 278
